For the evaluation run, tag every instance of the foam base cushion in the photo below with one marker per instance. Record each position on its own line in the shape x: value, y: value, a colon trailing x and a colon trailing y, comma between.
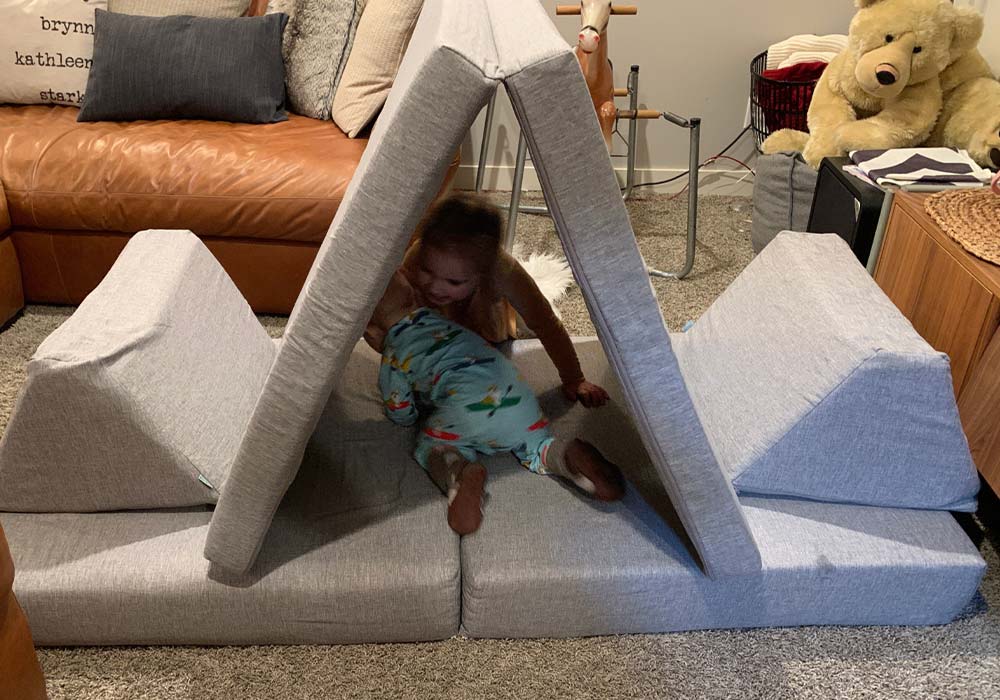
x: 336, y: 568
x: 547, y: 562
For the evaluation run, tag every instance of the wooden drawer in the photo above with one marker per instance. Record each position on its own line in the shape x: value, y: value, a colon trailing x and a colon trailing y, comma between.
x: 946, y: 305
x: 980, y: 410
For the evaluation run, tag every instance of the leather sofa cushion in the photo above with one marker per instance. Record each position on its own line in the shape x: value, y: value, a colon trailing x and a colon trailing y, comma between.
x: 63, y: 267
x: 280, y: 181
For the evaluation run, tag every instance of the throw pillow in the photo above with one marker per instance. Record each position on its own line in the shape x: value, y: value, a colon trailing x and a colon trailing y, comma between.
x: 381, y: 40
x: 165, y: 8
x: 316, y: 45
x: 185, y: 67
x: 47, y: 50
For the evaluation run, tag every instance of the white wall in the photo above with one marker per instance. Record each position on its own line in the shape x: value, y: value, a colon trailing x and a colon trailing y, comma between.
x: 694, y: 59
x: 990, y: 44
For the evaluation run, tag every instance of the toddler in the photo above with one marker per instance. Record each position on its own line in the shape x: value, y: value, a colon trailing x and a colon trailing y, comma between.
x: 473, y: 401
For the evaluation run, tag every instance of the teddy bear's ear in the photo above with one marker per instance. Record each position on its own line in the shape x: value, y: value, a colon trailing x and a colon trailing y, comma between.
x: 862, y: 4
x: 968, y: 31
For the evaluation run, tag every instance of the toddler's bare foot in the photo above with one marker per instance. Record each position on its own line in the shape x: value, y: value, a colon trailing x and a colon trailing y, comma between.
x: 465, y: 499
x: 587, y: 464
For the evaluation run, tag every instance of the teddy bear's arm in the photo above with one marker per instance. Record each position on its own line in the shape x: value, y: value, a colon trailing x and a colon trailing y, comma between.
x: 905, y: 122
x: 828, y: 111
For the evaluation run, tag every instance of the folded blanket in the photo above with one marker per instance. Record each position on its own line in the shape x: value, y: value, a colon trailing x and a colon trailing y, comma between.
x: 808, y: 57
x: 910, y: 167
x: 780, y: 52
x: 797, y: 73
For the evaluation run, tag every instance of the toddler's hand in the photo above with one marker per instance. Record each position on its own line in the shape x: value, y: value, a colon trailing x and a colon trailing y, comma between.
x: 590, y: 395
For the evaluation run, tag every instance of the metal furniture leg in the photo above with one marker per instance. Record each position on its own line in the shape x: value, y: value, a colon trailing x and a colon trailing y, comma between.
x: 883, y: 221
x: 515, y: 193
x: 694, y: 124
x: 633, y: 130
x: 484, y: 148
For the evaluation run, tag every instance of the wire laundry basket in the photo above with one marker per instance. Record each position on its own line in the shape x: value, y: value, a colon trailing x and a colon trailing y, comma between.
x: 776, y: 104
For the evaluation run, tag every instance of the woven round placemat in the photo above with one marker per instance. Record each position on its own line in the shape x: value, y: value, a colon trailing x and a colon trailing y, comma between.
x: 971, y: 217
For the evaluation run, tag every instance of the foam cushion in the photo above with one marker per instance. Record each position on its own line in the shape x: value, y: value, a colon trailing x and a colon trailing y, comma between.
x: 400, y: 172
x: 810, y: 383
x: 140, y: 398
x: 337, y: 568
x: 585, y: 201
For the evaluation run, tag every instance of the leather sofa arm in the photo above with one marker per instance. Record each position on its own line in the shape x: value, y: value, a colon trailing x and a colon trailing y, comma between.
x: 20, y: 674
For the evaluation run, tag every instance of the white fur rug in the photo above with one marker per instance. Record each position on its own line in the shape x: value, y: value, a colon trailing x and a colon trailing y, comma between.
x: 551, y: 273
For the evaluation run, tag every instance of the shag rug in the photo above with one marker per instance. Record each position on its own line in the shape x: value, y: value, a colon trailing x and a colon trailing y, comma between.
x: 550, y: 271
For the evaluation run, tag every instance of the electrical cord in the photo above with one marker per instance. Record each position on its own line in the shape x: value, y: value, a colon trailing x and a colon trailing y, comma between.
x: 717, y: 156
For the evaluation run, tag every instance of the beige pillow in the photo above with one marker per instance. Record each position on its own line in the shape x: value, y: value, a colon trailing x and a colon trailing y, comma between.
x: 165, y: 8
x: 379, y: 45
x: 46, y: 49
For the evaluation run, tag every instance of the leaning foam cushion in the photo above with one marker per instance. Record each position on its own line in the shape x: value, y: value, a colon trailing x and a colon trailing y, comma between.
x: 140, y: 398
x: 401, y: 171
x: 810, y: 383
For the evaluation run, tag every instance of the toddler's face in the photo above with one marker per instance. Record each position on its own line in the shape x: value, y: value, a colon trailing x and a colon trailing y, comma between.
x: 445, y: 277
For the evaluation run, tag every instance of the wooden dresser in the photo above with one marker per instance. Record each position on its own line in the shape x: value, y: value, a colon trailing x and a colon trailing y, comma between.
x: 20, y: 675
x: 952, y: 298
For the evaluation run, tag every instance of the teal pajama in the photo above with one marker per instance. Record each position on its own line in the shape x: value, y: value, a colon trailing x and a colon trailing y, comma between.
x: 471, y: 398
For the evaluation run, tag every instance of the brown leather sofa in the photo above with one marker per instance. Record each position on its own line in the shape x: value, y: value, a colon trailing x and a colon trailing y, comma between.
x: 71, y: 194
x: 20, y: 675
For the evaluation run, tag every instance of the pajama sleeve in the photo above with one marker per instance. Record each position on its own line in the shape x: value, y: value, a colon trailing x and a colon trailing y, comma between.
x: 397, y: 394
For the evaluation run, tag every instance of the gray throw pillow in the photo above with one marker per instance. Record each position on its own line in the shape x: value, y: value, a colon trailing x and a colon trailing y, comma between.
x: 316, y: 46
x: 163, y: 8
x: 185, y: 67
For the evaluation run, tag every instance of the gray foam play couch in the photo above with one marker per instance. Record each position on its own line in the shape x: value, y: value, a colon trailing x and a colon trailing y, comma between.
x: 170, y: 475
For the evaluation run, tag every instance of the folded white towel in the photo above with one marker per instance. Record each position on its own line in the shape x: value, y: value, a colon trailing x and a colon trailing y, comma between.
x: 807, y: 57
x: 778, y: 53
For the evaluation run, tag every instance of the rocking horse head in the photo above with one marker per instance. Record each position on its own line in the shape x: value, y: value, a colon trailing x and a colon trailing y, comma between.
x: 594, y: 15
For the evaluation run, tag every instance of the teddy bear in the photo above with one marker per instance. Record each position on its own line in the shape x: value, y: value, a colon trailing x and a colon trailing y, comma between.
x: 970, y: 119
x: 884, y: 90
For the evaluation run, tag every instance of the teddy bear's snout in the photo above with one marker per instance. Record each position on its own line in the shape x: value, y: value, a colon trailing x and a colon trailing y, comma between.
x: 886, y: 74
x: 995, y: 157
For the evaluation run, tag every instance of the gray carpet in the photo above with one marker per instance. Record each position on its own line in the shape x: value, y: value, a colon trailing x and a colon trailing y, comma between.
x: 960, y: 660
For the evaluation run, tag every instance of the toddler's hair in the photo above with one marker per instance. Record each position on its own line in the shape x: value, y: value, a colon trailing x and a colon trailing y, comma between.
x: 468, y: 224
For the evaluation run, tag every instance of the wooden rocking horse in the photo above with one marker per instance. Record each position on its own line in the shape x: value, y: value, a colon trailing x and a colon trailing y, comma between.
x: 592, y: 53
